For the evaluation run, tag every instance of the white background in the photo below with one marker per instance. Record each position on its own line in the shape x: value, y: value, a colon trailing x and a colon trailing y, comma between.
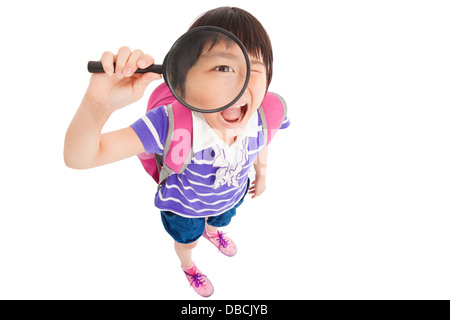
x: 357, y: 205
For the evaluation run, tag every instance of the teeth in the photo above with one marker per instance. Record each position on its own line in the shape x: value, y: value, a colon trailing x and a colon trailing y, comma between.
x: 240, y: 106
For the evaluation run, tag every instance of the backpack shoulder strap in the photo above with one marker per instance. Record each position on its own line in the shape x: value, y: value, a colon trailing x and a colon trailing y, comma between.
x: 178, y: 147
x: 272, y: 112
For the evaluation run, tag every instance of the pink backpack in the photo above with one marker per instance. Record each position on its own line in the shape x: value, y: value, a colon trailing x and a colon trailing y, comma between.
x: 178, y: 148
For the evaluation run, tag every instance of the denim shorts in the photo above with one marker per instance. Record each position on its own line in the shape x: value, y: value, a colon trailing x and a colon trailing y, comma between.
x: 187, y: 230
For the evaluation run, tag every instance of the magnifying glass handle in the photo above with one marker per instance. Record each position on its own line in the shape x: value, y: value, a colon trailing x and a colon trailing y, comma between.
x: 97, y: 67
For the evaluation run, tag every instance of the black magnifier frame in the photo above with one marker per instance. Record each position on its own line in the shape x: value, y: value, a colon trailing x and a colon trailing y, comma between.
x: 205, y: 29
x: 96, y: 67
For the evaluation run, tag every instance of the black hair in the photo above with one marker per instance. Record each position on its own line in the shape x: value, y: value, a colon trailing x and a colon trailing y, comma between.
x: 244, y: 26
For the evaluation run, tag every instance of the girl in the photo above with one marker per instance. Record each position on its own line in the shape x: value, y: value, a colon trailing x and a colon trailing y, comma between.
x: 205, y: 196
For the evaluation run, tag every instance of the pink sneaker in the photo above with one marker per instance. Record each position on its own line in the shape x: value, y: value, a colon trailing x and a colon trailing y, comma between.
x: 199, y: 282
x: 222, y: 242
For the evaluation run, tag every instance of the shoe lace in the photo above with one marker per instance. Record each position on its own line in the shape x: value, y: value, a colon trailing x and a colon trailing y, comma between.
x: 196, y: 278
x: 223, y: 242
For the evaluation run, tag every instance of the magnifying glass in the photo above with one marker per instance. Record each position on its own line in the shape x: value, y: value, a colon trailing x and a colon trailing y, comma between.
x: 207, y: 69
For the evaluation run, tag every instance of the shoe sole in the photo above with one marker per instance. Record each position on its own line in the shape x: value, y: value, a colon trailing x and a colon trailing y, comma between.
x: 199, y: 293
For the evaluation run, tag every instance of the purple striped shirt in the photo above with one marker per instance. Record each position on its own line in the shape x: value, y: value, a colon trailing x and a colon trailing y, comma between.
x: 216, y: 178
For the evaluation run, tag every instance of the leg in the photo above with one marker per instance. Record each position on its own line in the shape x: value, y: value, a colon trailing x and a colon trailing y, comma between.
x: 198, y: 281
x: 211, y: 229
x: 186, y: 232
x: 184, y: 252
x: 218, y: 238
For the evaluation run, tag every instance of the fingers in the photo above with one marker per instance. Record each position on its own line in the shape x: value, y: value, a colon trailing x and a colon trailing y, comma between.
x: 132, y: 63
x: 108, y: 62
x: 145, y: 80
x: 252, y: 190
x: 255, y: 194
x: 145, y: 61
x: 122, y: 57
x: 256, y: 189
x: 127, y: 62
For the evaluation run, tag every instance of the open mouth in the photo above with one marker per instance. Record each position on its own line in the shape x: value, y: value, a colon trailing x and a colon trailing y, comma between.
x: 235, y: 114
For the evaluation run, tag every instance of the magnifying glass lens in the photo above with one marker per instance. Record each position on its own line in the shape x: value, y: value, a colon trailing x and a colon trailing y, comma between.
x: 208, y: 70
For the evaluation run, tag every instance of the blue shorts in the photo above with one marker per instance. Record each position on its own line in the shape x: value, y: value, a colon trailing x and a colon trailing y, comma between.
x: 187, y: 230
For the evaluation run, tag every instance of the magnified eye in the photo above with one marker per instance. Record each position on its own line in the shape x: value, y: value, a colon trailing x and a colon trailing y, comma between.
x: 224, y: 69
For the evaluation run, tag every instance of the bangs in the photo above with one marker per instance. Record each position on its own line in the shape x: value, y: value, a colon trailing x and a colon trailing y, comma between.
x: 244, y: 26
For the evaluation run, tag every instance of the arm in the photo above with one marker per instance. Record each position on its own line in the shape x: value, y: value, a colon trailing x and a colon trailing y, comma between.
x: 85, y: 146
x: 259, y: 185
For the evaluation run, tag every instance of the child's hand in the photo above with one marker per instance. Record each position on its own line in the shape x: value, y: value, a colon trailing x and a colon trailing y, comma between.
x: 258, y: 186
x: 118, y: 88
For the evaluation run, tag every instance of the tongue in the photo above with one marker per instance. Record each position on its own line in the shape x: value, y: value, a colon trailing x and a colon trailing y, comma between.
x: 231, y: 114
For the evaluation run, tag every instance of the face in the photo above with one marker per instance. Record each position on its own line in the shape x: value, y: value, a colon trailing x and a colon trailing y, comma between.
x: 217, y: 78
x: 233, y: 120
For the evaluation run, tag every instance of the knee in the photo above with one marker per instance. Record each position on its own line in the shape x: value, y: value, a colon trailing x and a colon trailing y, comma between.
x: 186, y: 246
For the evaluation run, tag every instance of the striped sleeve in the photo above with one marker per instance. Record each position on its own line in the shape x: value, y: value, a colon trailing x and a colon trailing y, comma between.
x: 152, y: 130
x: 285, y: 123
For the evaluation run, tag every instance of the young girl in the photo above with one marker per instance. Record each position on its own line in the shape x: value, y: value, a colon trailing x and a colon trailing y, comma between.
x: 205, y: 196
